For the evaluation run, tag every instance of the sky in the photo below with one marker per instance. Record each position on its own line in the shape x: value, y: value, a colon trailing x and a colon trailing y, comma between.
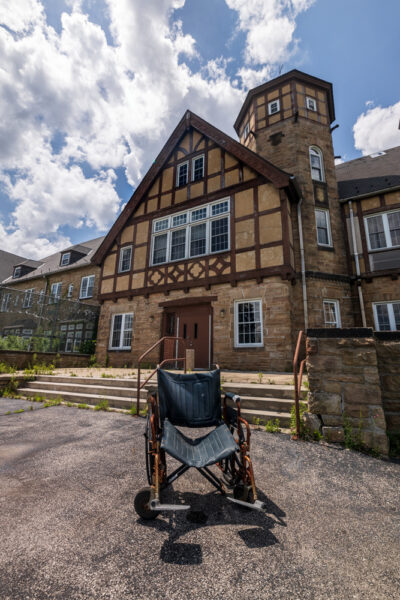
x: 90, y: 91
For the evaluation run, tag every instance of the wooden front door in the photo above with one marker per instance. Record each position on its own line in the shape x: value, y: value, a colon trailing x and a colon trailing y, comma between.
x: 193, y: 323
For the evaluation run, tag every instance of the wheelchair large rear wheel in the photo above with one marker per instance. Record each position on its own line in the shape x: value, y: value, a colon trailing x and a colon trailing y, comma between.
x: 148, y: 451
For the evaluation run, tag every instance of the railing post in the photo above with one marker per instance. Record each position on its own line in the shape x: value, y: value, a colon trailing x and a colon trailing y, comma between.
x: 297, y: 384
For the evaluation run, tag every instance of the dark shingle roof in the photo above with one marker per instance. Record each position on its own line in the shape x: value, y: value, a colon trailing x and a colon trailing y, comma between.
x: 51, y: 264
x: 7, y: 262
x: 369, y: 174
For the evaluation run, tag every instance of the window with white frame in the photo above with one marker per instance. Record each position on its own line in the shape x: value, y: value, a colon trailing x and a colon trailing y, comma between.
x: 198, y: 168
x: 317, y: 164
x: 65, y: 259
x: 70, y: 290
x: 274, y: 107
x: 17, y: 272
x: 55, y: 292
x: 182, y: 173
x: 121, y: 331
x: 332, y: 313
x: 196, y: 232
x: 323, y: 227
x: 125, y: 259
x: 248, y: 323
x: 387, y: 316
x: 41, y: 296
x: 311, y: 103
x: 5, y: 302
x: 383, y: 230
x: 28, y: 298
x: 87, y: 284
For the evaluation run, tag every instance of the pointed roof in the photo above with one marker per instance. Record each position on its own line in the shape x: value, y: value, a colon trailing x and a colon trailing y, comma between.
x: 277, y: 176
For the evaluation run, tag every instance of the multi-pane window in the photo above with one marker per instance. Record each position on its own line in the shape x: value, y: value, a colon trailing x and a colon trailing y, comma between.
x: 70, y: 290
x: 203, y: 230
x: 42, y: 294
x: 17, y: 272
x: 125, y: 258
x: 198, y: 168
x: 323, y: 227
x: 182, y: 174
x: 87, y: 284
x: 387, y: 316
x: 28, y: 298
x: 311, y: 103
x: 5, y: 302
x: 55, y: 292
x: 383, y: 230
x: 317, y: 164
x: 121, y: 331
x: 248, y: 323
x: 65, y: 258
x: 332, y: 313
x: 274, y: 107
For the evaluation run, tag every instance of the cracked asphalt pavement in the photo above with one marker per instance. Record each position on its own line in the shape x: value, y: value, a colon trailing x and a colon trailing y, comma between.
x: 68, y: 530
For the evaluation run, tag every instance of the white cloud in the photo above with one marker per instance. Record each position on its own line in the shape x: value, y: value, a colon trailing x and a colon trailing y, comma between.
x: 109, y: 105
x: 377, y: 129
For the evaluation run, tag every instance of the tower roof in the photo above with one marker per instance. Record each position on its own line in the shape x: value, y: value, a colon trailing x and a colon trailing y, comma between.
x: 291, y: 75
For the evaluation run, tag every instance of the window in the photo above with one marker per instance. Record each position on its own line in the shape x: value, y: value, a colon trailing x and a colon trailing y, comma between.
x: 246, y: 131
x: 41, y: 296
x: 125, y: 258
x: 65, y: 259
x: 332, y: 313
x: 200, y: 231
x: 248, y: 323
x: 182, y: 174
x: 70, y: 290
x: 383, y: 230
x: 317, y: 164
x: 55, y: 292
x: 17, y: 272
x: 323, y: 227
x: 311, y: 103
x: 387, y: 316
x: 5, y: 302
x: 87, y: 284
x: 198, y: 168
x: 28, y: 298
x: 274, y: 107
x: 121, y: 332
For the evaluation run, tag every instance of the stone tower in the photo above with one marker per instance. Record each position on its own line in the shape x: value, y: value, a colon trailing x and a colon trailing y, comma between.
x: 288, y: 122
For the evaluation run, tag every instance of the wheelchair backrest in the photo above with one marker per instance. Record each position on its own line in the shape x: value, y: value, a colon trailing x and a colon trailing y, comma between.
x: 190, y: 400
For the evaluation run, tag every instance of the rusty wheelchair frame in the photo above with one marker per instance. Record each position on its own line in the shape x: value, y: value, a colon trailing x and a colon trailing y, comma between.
x: 194, y: 400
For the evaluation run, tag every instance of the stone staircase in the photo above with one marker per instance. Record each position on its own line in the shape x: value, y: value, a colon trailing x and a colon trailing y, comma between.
x: 258, y: 401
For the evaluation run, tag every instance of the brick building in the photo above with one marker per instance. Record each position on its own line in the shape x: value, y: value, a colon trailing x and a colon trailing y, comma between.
x: 54, y: 289
x: 235, y: 246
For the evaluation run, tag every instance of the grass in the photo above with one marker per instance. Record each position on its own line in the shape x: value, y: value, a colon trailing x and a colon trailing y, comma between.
x: 6, y: 368
x: 72, y: 374
x: 102, y: 405
x: 108, y: 376
x: 83, y: 406
x: 20, y: 410
x: 10, y: 390
x: 133, y: 410
x: 272, y: 426
x: 305, y: 433
x: 52, y: 402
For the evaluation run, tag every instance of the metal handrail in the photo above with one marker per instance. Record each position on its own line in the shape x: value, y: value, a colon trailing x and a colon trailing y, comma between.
x: 160, y: 341
x: 298, y: 377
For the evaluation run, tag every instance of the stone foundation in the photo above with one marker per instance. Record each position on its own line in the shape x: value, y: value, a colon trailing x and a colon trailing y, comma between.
x: 24, y: 360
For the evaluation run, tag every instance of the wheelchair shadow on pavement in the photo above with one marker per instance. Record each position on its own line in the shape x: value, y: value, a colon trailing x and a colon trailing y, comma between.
x: 211, y: 510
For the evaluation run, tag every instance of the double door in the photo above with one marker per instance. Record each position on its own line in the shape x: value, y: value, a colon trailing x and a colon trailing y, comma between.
x: 193, y: 324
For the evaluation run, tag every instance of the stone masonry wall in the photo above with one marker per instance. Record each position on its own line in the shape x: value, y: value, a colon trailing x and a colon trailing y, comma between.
x: 23, y: 360
x: 344, y: 385
x: 388, y: 352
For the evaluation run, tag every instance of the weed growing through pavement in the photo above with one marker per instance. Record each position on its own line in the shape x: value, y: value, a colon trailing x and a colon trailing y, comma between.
x: 272, y: 426
x: 20, y: 410
x: 102, y: 405
x: 133, y: 410
x: 83, y: 406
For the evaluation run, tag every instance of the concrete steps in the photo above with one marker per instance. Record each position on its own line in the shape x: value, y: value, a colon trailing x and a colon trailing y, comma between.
x: 261, y: 402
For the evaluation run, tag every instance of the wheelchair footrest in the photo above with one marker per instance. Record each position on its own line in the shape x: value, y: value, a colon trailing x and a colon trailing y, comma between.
x: 257, y: 505
x: 156, y: 505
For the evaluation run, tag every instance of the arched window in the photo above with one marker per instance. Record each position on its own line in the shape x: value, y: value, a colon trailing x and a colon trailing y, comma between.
x: 317, y: 164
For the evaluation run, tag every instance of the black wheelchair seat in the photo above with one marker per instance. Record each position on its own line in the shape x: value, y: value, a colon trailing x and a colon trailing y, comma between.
x: 200, y: 452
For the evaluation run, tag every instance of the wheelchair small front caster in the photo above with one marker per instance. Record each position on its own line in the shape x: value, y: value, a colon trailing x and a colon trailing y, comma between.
x: 142, y: 504
x: 243, y: 493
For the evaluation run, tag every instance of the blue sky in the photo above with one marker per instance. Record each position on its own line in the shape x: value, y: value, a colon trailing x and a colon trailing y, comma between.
x: 91, y: 90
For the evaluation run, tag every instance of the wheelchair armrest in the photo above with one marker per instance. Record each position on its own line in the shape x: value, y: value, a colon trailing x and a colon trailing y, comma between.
x: 232, y: 396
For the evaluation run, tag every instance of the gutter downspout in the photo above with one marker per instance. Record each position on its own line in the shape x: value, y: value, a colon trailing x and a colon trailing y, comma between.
x: 303, y: 267
x: 357, y: 262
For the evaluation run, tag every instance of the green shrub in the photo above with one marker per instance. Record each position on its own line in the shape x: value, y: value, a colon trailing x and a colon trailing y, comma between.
x: 6, y: 368
x: 133, y: 410
x: 88, y: 347
x: 10, y: 390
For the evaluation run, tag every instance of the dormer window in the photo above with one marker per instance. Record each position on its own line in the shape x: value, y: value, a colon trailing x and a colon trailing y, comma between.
x: 311, y: 103
x: 65, y: 259
x: 198, y: 168
x: 182, y: 174
x: 317, y: 164
x: 274, y: 107
x: 17, y: 272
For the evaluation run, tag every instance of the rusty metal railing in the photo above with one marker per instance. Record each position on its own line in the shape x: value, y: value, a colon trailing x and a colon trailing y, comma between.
x: 163, y: 362
x: 298, y: 377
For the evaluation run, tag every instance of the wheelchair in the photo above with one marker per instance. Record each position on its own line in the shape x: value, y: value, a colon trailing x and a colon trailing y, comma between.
x: 194, y: 400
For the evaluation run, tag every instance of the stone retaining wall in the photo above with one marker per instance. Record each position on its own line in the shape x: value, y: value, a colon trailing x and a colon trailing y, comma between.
x: 23, y: 360
x: 352, y: 382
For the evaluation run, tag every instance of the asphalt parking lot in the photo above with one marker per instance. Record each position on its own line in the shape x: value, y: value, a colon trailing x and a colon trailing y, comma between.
x: 68, y: 477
